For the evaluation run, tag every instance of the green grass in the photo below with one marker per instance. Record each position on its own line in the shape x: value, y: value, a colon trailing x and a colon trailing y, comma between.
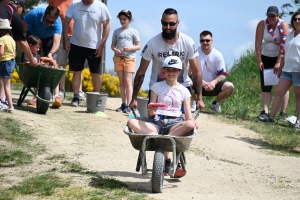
x: 16, y: 149
x: 244, y: 105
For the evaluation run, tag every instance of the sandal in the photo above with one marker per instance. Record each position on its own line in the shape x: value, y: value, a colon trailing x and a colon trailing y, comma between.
x: 8, y: 110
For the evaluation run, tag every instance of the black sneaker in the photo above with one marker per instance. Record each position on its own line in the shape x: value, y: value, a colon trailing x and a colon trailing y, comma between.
x: 75, y: 102
x: 267, y: 119
x: 126, y: 109
x: 282, y: 116
x: 168, y: 165
x: 121, y: 108
x: 263, y: 117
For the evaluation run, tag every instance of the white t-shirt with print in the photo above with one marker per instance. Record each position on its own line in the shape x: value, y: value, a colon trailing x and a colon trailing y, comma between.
x: 210, y: 64
x: 87, y: 29
x: 292, y: 53
x: 157, y: 50
x: 171, y: 96
x: 126, y: 38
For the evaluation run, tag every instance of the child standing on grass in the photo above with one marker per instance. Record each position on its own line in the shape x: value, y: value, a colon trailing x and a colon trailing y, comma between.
x: 7, y: 60
x: 167, y: 120
x: 125, y: 42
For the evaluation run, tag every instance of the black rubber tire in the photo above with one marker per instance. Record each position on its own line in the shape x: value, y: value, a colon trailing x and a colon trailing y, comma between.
x: 157, y: 180
x: 42, y: 107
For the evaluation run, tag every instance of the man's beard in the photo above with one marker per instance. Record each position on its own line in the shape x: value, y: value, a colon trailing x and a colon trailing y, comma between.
x: 169, y: 35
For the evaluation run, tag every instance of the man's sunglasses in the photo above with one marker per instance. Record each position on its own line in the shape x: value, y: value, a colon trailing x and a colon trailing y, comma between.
x: 48, y: 21
x: 202, y: 41
x: 168, y: 23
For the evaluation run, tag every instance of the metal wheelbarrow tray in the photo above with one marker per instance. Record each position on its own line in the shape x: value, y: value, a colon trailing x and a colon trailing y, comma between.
x: 44, y: 79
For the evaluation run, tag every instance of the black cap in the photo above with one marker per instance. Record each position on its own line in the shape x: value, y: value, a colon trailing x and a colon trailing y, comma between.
x: 20, y: 3
x: 272, y: 10
x: 126, y: 13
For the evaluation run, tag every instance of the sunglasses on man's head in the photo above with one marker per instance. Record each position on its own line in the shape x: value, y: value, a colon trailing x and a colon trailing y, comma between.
x: 49, y: 22
x: 202, y: 41
x: 168, y: 23
x: 296, y: 19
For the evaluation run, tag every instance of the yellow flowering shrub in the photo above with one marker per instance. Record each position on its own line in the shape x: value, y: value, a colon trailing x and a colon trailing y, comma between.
x: 109, y: 83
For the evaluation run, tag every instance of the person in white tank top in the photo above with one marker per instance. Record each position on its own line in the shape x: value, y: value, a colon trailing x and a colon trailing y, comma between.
x: 272, y: 32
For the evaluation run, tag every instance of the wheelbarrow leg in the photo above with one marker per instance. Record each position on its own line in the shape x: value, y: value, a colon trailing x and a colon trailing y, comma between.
x: 139, y: 162
x: 22, y: 96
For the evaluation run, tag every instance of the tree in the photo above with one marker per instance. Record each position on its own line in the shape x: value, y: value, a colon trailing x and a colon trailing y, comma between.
x: 288, y: 8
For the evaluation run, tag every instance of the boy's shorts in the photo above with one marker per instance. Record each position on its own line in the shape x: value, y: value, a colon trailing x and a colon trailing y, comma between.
x: 163, y: 126
x: 7, y: 68
x: 125, y: 64
x: 61, y: 56
x: 291, y: 76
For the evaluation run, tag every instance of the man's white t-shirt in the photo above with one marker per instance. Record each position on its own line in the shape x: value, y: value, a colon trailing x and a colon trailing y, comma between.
x: 171, y: 96
x: 210, y: 64
x: 87, y: 29
x: 157, y: 50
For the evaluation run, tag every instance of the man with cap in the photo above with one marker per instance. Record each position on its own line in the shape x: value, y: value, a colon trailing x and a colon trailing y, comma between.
x: 19, y: 5
x: 164, y: 109
x: 269, y: 48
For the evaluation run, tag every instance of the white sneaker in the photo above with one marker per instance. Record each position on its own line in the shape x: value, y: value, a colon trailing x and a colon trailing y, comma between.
x: 81, y: 96
x: 193, y: 106
x: 216, y: 107
x: 61, y: 94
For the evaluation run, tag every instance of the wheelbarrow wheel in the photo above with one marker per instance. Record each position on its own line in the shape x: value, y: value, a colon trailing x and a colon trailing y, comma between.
x: 158, y: 171
x: 42, y: 107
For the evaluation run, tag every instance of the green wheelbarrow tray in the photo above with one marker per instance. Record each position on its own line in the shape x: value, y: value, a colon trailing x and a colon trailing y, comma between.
x: 41, y: 77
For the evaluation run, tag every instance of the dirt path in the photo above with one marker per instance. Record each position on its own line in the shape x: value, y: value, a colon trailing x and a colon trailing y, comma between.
x: 225, y: 161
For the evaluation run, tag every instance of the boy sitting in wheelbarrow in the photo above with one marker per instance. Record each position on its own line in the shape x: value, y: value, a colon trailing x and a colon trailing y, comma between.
x: 164, y: 109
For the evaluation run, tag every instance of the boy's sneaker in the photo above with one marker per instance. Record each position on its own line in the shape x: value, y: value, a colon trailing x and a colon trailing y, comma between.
x: 282, y: 116
x: 81, y: 96
x: 32, y: 102
x: 121, y: 108
x: 193, y: 106
x: 297, y: 126
x: 126, y: 109
x: 62, y: 94
x: 75, y: 102
x: 57, y: 102
x: 168, y: 165
x: 216, y: 107
x: 179, y: 172
x: 3, y: 106
x: 263, y: 116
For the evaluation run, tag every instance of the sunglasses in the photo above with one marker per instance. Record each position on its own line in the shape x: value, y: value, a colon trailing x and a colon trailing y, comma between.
x: 202, y: 41
x: 48, y: 21
x: 296, y: 19
x: 168, y: 23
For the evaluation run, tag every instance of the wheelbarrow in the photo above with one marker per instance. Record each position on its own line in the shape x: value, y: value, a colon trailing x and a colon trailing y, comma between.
x: 160, y: 143
x: 44, y: 79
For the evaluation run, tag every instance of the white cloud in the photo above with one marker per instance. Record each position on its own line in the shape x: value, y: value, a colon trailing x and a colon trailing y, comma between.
x: 241, y: 49
x: 146, y: 28
x: 182, y: 27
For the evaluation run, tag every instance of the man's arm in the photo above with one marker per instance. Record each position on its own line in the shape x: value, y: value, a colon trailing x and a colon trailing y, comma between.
x: 55, y: 46
x: 65, y: 33
x: 105, y: 33
x: 197, y: 81
x: 138, y: 81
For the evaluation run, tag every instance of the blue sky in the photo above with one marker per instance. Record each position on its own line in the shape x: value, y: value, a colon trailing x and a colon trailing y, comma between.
x: 232, y: 22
